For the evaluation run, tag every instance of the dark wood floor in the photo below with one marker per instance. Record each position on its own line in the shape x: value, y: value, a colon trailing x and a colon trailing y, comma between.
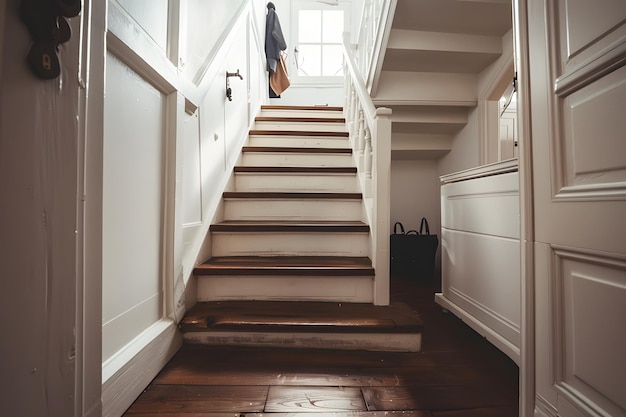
x: 457, y: 374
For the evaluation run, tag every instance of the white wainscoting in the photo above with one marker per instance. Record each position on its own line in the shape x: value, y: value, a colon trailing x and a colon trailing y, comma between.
x: 481, y: 252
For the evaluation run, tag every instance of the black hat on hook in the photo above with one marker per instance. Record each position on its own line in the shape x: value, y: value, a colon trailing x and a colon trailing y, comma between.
x: 270, y: 5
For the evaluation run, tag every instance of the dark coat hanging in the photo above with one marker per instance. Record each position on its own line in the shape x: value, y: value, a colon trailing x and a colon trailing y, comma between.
x: 274, y: 40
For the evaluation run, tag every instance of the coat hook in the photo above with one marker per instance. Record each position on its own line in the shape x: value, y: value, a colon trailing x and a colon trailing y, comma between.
x: 47, y: 23
x: 229, y: 91
x: 234, y: 74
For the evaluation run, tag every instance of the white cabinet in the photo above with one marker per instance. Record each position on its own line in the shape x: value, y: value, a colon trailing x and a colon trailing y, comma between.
x: 480, y: 244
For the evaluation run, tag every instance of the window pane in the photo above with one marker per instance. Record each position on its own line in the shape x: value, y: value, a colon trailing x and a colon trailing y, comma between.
x: 310, y: 26
x: 309, y: 59
x: 332, y: 65
x: 333, y: 26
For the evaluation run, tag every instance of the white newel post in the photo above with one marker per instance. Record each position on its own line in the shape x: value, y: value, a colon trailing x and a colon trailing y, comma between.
x: 381, y: 184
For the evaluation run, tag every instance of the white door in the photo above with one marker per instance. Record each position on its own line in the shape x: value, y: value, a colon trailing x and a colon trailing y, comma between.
x: 577, y: 99
x: 43, y: 351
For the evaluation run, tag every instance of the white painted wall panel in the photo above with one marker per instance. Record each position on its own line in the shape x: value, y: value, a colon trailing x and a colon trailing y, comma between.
x: 206, y: 22
x: 192, y: 177
x: 132, y: 208
x: 151, y: 15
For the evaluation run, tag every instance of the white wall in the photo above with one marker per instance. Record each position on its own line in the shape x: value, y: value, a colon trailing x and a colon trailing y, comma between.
x: 465, y: 148
x: 205, y: 23
x: 151, y: 15
x: 415, y: 194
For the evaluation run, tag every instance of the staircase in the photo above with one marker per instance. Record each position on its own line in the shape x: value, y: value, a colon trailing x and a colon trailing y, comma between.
x: 440, y: 59
x: 290, y: 262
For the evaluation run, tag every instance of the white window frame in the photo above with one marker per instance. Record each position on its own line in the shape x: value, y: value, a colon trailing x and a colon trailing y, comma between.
x: 296, y: 7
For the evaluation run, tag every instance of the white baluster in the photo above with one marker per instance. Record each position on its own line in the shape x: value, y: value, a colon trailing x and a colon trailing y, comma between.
x: 348, y: 103
x: 367, y: 169
x: 361, y: 139
x: 353, y: 114
x: 367, y: 165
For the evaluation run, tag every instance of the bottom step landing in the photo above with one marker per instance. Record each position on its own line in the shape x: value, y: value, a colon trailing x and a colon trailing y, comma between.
x: 310, y: 324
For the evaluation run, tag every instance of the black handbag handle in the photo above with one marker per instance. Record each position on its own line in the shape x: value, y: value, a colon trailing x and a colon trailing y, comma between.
x: 395, y: 228
x: 424, y: 226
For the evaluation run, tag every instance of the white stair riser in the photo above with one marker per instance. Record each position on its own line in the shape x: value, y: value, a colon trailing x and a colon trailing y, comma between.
x: 294, y: 244
x: 296, y: 159
x: 299, y: 141
x: 283, y: 209
x: 296, y: 182
x: 287, y: 288
x: 309, y: 126
x: 301, y: 113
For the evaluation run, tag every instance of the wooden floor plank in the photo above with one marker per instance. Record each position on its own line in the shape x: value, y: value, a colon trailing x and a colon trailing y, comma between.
x: 453, y: 397
x: 510, y: 411
x: 184, y: 414
x: 278, y: 378
x: 412, y: 413
x: 314, y: 399
x: 200, y: 398
x: 212, y: 374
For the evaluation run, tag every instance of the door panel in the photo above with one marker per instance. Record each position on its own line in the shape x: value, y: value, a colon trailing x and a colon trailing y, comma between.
x: 578, y: 90
x: 132, y: 205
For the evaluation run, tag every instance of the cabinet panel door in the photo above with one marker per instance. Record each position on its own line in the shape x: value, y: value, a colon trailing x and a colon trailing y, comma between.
x: 578, y: 90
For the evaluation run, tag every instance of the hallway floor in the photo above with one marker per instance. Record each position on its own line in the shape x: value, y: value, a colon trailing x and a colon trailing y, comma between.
x: 458, y: 373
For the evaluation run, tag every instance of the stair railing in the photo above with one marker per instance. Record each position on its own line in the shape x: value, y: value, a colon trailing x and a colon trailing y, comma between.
x: 370, y: 137
x: 374, y: 30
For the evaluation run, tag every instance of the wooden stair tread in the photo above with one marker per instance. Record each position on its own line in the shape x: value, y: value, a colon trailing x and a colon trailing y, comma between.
x: 287, y: 265
x: 280, y: 107
x: 300, y: 119
x: 290, y: 226
x: 286, y: 149
x: 266, y: 132
x: 301, y: 316
x: 291, y: 195
x: 295, y: 169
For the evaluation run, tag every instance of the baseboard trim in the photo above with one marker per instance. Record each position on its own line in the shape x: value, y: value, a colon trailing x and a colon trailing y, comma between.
x: 128, y: 372
x: 492, y: 336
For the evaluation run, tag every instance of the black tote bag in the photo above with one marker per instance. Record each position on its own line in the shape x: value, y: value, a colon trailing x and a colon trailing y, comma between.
x: 413, y: 253
x: 401, y: 250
